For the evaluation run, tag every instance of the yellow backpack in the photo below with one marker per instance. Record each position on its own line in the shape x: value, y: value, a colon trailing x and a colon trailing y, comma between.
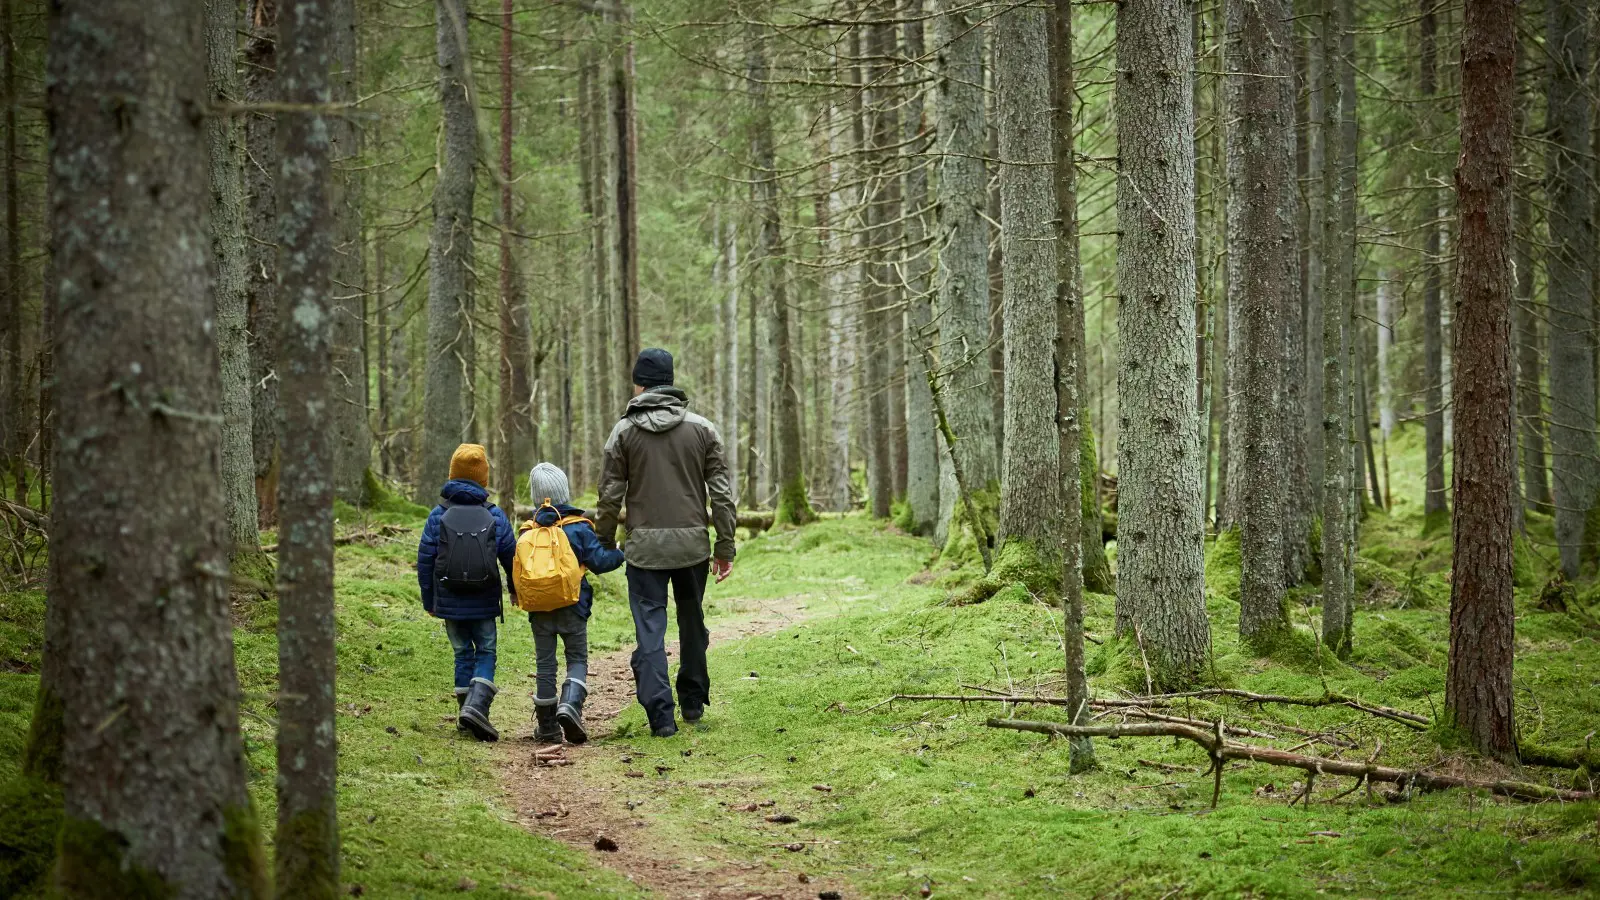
x: 546, y: 572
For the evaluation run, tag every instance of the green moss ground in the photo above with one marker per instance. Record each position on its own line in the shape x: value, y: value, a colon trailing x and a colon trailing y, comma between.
x: 924, y: 794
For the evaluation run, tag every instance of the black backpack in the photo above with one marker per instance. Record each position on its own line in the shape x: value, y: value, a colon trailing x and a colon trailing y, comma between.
x: 467, y: 542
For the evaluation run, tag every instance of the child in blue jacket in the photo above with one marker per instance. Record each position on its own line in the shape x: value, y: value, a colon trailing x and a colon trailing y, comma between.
x: 564, y: 717
x: 466, y: 538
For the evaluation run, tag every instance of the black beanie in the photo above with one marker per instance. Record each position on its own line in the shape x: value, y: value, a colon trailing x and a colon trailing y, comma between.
x: 653, y: 368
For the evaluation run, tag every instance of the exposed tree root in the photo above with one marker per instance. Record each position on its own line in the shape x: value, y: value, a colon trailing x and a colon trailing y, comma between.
x: 1220, y: 751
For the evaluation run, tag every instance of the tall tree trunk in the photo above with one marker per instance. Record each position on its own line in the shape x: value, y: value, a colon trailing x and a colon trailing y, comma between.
x: 1478, y: 692
x: 1298, y: 497
x: 883, y: 236
x: 922, y: 450
x: 1316, y: 201
x: 261, y: 252
x: 841, y: 320
x: 1567, y: 274
x: 1369, y: 465
x: 153, y: 765
x: 793, y: 507
x: 307, y: 843
x: 597, y: 409
x: 1434, y: 506
x: 963, y: 310
x: 514, y: 417
x: 1261, y: 244
x: 1160, y: 580
x: 15, y: 421
x: 1030, y: 481
x: 1530, y: 358
x: 730, y: 342
x: 449, y: 253
x: 1070, y: 380
x: 626, y: 137
x: 1385, y: 328
x: 1338, y: 258
x: 352, y: 433
x: 224, y: 140
x: 380, y: 300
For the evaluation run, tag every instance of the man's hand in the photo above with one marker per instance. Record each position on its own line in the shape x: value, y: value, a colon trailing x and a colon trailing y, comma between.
x: 722, y: 568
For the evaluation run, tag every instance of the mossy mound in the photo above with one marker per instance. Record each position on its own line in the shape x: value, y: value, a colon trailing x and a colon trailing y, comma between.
x: 30, y: 817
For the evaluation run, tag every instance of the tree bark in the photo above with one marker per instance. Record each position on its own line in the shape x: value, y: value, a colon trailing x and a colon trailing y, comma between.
x: 1568, y: 275
x: 626, y: 137
x: 730, y: 340
x: 15, y: 421
x: 515, y: 415
x: 153, y: 766
x: 1030, y: 502
x: 224, y: 140
x: 1478, y: 692
x: 352, y: 433
x: 963, y: 300
x: 1160, y: 581
x: 793, y: 506
x: 1070, y: 381
x: 1298, y: 497
x: 1338, y: 257
x: 261, y: 251
x: 841, y: 305
x: 1434, y: 505
x: 883, y: 237
x: 449, y: 253
x: 1530, y: 359
x: 922, y: 450
x: 307, y: 843
x: 1261, y: 244
x: 1316, y: 200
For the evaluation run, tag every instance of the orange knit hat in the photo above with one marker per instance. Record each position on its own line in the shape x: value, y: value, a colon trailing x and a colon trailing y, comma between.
x: 471, y: 462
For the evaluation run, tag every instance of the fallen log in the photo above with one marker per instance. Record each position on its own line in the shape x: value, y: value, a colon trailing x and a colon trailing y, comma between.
x: 1107, y: 707
x: 754, y: 520
x: 1221, y: 750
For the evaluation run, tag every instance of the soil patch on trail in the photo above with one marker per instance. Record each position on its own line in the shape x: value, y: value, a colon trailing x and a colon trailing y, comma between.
x: 599, y: 796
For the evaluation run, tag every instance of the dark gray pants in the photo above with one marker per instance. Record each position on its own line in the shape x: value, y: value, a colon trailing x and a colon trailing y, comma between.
x: 573, y: 629
x: 647, y: 597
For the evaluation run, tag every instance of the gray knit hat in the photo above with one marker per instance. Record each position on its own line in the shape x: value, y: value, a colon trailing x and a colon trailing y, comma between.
x: 547, y: 480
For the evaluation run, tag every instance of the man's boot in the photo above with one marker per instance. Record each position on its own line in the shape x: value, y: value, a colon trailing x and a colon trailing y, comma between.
x: 546, y: 730
x: 461, y: 700
x: 475, y: 712
x: 570, y: 713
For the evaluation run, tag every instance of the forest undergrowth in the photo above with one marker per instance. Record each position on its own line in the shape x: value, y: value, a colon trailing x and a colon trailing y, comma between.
x: 898, y: 798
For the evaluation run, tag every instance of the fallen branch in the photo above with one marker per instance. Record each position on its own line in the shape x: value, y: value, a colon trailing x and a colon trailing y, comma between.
x: 1404, y: 717
x: 27, y: 515
x: 354, y: 537
x: 1221, y: 750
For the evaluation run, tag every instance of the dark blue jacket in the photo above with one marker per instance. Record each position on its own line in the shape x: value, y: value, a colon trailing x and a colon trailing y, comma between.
x: 586, y: 546
x: 447, y: 604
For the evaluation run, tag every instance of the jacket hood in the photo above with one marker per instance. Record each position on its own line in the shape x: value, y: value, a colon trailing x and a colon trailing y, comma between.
x: 658, y: 409
x: 463, y: 492
x: 544, y: 517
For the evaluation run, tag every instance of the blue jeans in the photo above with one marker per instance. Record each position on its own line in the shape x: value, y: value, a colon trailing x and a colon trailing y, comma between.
x: 473, y: 640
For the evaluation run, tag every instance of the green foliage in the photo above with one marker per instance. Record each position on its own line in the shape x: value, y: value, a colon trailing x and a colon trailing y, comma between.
x: 961, y: 545
x: 1224, y: 562
x: 793, y: 506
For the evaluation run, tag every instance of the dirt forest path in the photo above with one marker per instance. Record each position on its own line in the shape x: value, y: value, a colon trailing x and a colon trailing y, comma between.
x: 598, y: 795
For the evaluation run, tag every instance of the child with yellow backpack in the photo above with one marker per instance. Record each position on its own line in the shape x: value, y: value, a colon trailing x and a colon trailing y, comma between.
x: 554, y: 553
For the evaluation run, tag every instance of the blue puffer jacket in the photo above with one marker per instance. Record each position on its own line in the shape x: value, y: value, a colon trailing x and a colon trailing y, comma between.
x: 447, y: 604
x: 586, y: 546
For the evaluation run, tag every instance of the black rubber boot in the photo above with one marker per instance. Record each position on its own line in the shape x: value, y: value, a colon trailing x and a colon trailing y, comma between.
x: 475, y: 712
x: 570, y: 713
x: 546, y: 731
x: 461, y: 700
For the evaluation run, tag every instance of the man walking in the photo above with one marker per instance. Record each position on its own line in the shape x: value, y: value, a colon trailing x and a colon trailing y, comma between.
x: 664, y: 462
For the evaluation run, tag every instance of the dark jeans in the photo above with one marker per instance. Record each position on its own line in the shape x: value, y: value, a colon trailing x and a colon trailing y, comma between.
x: 573, y: 630
x: 474, y: 643
x: 647, y: 597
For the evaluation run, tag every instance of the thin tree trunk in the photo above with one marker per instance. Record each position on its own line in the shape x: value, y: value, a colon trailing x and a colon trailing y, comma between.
x: 596, y: 403
x: 224, y: 139
x: 15, y: 381
x: 449, y: 253
x: 307, y: 843
x: 1478, y: 690
x: 512, y: 414
x: 883, y: 237
x: 1260, y: 172
x: 380, y: 299
x: 153, y: 766
x: 1434, y: 505
x: 352, y: 433
x: 1160, y: 581
x: 1385, y: 327
x: 626, y: 136
x: 261, y: 250
x: 963, y: 300
x: 841, y: 333
x: 1316, y: 193
x: 1338, y: 280
x: 793, y: 506
x: 922, y: 450
x: 1530, y: 360
x: 1071, y: 382
x: 1369, y: 467
x: 1300, y: 512
x: 1568, y: 276
x: 730, y: 373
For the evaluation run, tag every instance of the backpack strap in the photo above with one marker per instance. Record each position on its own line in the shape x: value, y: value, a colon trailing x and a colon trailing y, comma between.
x: 573, y: 520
